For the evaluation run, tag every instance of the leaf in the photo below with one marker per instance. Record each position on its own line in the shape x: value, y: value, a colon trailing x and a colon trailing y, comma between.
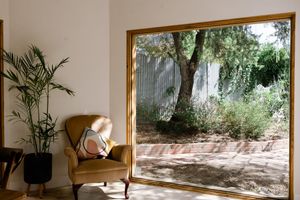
x: 39, y: 54
x: 60, y: 87
x: 60, y: 64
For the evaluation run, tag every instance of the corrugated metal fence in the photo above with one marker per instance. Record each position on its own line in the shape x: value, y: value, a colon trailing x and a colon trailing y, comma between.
x: 156, y: 77
x: 153, y: 77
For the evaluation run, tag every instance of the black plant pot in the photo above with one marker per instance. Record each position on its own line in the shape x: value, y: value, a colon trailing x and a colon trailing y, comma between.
x: 37, y: 168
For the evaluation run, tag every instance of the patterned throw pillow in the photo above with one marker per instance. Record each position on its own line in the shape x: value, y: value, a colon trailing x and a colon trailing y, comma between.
x: 92, y: 145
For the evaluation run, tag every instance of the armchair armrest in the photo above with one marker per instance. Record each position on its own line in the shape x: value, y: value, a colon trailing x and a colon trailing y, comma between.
x: 73, y: 160
x: 120, y: 153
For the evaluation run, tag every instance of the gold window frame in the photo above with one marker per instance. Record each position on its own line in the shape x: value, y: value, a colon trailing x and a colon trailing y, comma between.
x: 131, y: 93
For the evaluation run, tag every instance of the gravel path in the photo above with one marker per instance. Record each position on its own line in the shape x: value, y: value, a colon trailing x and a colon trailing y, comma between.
x: 265, y: 173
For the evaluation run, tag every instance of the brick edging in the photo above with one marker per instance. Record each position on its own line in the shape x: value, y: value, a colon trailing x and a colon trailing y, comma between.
x: 210, y: 147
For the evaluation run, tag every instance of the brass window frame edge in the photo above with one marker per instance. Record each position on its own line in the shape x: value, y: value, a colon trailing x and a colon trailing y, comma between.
x: 130, y: 89
x: 1, y: 87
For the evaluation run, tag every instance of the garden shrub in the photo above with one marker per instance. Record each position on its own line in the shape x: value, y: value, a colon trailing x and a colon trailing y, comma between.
x: 208, y: 116
x: 186, y: 113
x: 274, y: 97
x: 245, y: 119
x: 241, y: 119
x: 153, y: 112
x: 273, y: 64
x: 184, y: 119
x: 177, y: 127
x: 191, y: 117
x: 147, y: 113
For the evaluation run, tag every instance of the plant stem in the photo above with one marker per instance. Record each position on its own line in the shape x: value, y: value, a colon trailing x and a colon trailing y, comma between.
x: 39, y: 118
x: 32, y: 128
x: 47, y: 110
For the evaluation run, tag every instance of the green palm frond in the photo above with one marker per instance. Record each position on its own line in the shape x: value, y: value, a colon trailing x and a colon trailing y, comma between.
x: 11, y: 75
x: 61, y: 87
x: 11, y: 59
x: 33, y: 79
x: 37, y: 52
x: 59, y: 65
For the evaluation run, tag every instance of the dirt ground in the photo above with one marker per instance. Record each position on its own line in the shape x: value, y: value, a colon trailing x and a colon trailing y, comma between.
x: 263, y: 173
x: 147, y: 134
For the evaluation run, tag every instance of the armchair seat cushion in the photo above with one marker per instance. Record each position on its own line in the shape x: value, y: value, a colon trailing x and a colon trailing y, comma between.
x: 98, y: 166
x: 99, y: 170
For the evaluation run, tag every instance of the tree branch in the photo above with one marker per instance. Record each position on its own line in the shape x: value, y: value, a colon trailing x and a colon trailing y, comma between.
x: 198, y: 50
x: 181, y: 58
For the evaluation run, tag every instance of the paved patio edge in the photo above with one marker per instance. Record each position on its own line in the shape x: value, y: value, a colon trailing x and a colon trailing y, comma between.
x: 210, y: 147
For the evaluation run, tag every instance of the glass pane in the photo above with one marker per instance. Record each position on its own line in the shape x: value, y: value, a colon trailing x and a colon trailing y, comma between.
x: 213, y: 108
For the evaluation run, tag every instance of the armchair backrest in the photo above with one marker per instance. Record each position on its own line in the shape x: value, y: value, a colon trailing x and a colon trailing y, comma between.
x: 76, y: 124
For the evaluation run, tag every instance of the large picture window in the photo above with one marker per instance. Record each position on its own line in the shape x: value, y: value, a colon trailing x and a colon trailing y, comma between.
x: 210, y: 106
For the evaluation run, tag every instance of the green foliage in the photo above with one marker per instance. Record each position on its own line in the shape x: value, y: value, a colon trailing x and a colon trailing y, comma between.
x: 149, y: 114
x: 283, y: 32
x: 275, y: 98
x: 153, y: 113
x: 174, y: 127
x: 208, y: 116
x: 184, y: 119
x: 190, y: 117
x: 186, y: 113
x: 34, y: 80
x: 234, y: 43
x: 243, y: 64
x: 235, y: 48
x: 240, y: 119
x: 170, y: 91
x: 244, y: 119
x: 157, y: 45
x: 188, y: 43
x: 273, y: 65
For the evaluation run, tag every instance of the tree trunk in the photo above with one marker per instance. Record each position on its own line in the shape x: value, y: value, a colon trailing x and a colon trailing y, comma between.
x: 188, y: 68
x: 186, y: 88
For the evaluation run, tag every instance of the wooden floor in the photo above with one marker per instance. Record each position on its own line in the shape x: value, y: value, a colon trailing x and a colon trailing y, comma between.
x: 115, y: 191
x: 12, y: 195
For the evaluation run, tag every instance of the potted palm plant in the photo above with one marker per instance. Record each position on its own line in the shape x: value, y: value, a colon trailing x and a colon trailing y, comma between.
x: 33, y: 80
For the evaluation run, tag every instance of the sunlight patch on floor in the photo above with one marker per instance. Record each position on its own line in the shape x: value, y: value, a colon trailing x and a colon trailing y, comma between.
x: 116, y: 191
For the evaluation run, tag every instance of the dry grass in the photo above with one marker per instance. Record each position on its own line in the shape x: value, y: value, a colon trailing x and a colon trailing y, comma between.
x: 147, y: 134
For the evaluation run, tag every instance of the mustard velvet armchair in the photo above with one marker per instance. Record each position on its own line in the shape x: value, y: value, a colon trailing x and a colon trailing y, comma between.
x: 112, y: 168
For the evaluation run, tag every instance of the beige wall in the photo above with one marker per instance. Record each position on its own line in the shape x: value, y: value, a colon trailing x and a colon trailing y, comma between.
x: 136, y: 14
x: 4, y: 15
x: 63, y: 28
x: 93, y: 34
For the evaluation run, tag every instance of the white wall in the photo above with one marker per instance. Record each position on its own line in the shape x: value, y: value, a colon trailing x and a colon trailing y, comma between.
x: 93, y: 34
x: 63, y: 28
x: 136, y: 14
x: 4, y: 15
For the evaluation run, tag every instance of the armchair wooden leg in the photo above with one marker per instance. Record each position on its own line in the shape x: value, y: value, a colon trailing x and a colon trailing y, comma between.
x: 75, y: 190
x: 105, y: 184
x: 127, y: 182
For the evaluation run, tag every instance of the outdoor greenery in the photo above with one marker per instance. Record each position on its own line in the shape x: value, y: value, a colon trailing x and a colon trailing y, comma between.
x: 273, y: 65
x: 33, y: 80
x: 259, y: 70
x: 239, y: 119
x: 245, y: 120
